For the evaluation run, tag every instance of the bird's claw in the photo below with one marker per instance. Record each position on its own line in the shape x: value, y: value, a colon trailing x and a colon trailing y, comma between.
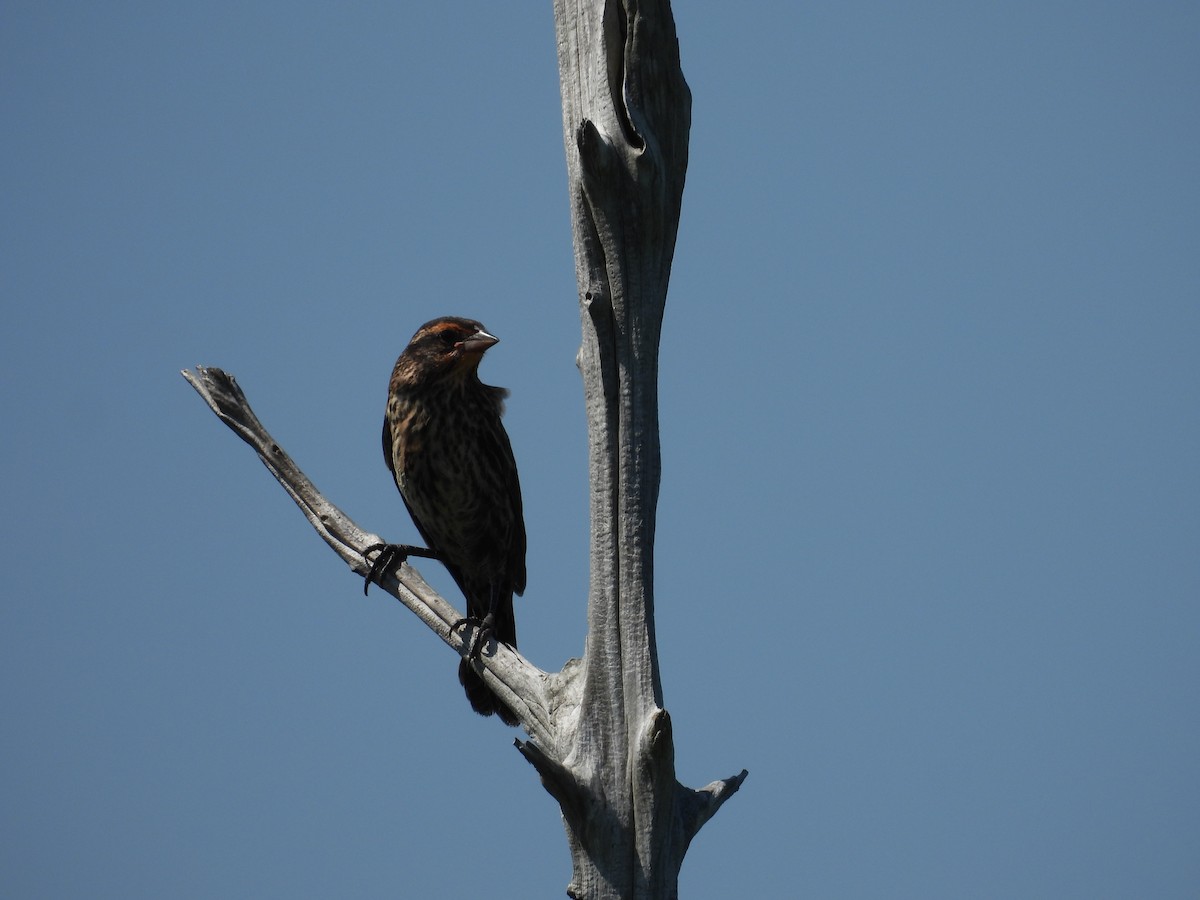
x: 390, y: 556
x: 483, y: 633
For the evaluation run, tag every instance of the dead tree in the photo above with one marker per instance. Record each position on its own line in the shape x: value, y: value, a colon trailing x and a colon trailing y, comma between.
x: 599, y: 736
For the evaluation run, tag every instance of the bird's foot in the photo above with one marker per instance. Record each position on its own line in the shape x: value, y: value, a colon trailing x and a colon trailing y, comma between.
x: 390, y: 556
x: 483, y: 633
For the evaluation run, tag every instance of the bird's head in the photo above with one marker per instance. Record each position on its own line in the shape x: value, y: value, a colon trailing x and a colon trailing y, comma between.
x: 447, y: 346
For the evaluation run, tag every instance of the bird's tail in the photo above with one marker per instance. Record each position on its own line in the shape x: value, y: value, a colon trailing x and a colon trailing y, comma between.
x: 482, y: 700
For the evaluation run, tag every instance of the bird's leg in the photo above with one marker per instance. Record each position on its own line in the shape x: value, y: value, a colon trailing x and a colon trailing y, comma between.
x: 482, y: 636
x: 484, y: 627
x: 391, y: 555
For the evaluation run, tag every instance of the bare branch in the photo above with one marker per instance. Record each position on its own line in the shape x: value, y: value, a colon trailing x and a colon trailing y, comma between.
x: 697, y: 807
x: 520, y: 684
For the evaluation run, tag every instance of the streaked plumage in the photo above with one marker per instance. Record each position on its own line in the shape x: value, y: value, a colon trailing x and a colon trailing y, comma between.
x: 450, y: 455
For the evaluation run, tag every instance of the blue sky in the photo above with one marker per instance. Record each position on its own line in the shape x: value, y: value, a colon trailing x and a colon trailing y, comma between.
x: 929, y: 534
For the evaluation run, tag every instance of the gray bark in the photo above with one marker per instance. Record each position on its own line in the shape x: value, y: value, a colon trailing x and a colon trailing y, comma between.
x: 626, y: 117
x: 599, y: 736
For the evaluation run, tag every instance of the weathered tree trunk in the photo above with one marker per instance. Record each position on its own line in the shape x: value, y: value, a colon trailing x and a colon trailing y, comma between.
x: 598, y: 734
x: 626, y: 116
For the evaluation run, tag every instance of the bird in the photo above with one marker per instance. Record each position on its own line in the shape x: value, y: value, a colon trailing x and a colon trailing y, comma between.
x: 453, y: 464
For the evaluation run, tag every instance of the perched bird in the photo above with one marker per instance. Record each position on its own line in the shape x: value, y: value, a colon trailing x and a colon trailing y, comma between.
x: 452, y: 461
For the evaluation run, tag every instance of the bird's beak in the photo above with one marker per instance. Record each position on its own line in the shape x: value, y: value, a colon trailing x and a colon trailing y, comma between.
x: 478, y: 342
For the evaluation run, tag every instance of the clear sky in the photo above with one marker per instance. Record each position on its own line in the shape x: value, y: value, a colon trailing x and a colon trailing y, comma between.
x: 929, y: 535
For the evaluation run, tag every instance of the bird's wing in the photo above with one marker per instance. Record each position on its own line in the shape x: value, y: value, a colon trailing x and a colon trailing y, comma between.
x: 516, y: 552
x: 387, y: 447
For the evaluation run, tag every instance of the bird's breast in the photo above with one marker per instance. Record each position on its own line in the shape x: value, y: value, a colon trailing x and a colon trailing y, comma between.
x: 452, y: 465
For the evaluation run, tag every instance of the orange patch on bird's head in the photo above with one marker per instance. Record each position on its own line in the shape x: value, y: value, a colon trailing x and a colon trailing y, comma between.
x: 450, y: 345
